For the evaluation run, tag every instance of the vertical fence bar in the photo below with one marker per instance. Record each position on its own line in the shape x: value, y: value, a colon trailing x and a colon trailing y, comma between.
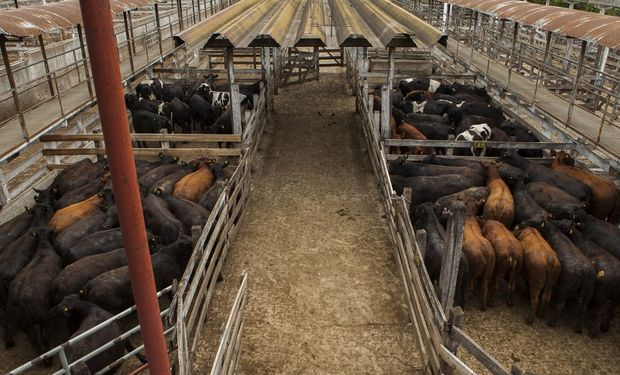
x: 542, y: 65
x: 573, y: 95
x: 85, y: 60
x: 158, y: 24
x: 128, y: 37
x: 9, y: 75
x: 46, y: 64
x: 515, y: 32
x: 99, y: 28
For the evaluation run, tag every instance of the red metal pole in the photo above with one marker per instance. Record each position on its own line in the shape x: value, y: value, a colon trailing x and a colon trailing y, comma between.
x: 101, y: 42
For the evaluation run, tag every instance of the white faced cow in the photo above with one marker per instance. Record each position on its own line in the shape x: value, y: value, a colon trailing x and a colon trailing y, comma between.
x: 477, y: 132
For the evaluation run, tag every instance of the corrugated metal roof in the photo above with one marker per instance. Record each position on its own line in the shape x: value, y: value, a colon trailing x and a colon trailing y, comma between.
x: 593, y: 27
x: 44, y: 18
x: 295, y: 23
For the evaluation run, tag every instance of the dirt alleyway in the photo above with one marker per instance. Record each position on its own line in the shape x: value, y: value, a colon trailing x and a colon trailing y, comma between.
x: 325, y: 294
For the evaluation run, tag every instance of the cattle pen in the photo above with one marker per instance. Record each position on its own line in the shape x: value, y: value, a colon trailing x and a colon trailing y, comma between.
x: 309, y: 260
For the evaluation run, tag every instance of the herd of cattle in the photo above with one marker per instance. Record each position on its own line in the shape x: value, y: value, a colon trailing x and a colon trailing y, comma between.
x: 554, y: 227
x: 426, y: 109
x: 64, y: 258
x: 204, y: 105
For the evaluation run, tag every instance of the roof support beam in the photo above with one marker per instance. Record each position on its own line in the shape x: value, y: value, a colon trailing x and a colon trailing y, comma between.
x: 46, y: 64
x: 542, y: 65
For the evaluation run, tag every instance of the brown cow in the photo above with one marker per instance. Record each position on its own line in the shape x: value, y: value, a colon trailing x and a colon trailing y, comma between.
x: 500, y: 205
x: 408, y: 131
x: 508, y: 255
x: 70, y: 215
x: 605, y: 195
x: 480, y: 257
x: 192, y: 186
x: 541, y: 269
x: 394, y: 135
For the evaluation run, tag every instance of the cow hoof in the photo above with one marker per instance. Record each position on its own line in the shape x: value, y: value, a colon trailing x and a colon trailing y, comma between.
x: 552, y: 323
x: 509, y: 303
x: 529, y: 320
x: 9, y: 344
x: 593, y: 333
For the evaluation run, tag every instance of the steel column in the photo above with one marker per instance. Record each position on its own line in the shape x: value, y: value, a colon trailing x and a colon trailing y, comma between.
x: 101, y: 39
x: 211, y: 8
x: 127, y: 36
x: 46, y: 64
x: 512, y: 51
x: 158, y: 24
x: 85, y: 60
x: 573, y: 95
x: 9, y: 75
x: 542, y: 64
x: 473, y: 39
x: 180, y: 14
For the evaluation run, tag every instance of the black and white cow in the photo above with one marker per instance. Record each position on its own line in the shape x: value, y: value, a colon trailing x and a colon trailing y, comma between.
x: 477, y: 132
x: 151, y: 89
x: 430, y: 85
x: 430, y: 107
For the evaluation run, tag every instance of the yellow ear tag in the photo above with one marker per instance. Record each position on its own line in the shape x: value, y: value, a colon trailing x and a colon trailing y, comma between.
x: 570, y: 231
x: 66, y: 309
x: 542, y: 225
x: 600, y: 274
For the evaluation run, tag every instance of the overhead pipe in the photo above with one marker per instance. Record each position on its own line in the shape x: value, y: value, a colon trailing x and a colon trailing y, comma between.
x: 97, y: 18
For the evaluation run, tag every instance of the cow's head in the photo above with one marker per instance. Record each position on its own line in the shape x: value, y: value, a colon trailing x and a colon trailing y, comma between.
x: 210, y: 80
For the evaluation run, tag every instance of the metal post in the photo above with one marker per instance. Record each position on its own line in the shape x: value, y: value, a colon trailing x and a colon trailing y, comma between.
x: 447, y: 16
x: 199, y: 12
x: 99, y: 29
x: 573, y: 95
x: 276, y: 68
x: 46, y: 64
x: 158, y: 23
x: 390, y: 78
x: 84, y: 60
x: 234, y: 91
x: 211, y: 9
x: 128, y: 41
x: 133, y: 39
x: 542, y: 65
x: 9, y: 75
x: 473, y: 39
x: 498, y: 50
x: 193, y: 12
x: 180, y: 14
x: 512, y: 51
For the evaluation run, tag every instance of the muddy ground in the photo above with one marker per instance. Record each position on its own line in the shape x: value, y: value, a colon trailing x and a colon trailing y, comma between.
x: 325, y: 292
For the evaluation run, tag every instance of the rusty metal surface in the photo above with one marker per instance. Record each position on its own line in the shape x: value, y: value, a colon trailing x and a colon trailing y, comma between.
x: 295, y: 23
x: 40, y: 19
x: 592, y: 27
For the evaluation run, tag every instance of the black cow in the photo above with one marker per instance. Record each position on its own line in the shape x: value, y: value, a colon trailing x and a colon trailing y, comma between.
x: 82, y: 316
x: 537, y: 172
x: 577, y: 277
x: 430, y: 107
x: 136, y: 103
x: 160, y: 220
x: 526, y: 208
x: 414, y: 118
x: 471, y: 90
x: 473, y: 120
x: 86, y: 174
x: 15, y: 227
x: 188, y: 212
x: 179, y: 114
x: 150, y: 178
x: 435, y: 244
x: 521, y: 134
x: 467, y: 109
x: 92, y: 244
x: 175, y: 90
x: 68, y: 236
x: 77, y: 274
x: 414, y: 169
x: 607, y: 269
x: 147, y: 122
x: 431, y: 188
x: 203, y: 112
x: 151, y: 89
x: 210, y: 197
x: 81, y: 193
x: 604, y: 234
x: 112, y: 289
x: 30, y: 293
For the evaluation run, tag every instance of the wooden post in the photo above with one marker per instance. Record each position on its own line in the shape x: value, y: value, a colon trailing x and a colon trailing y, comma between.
x: 377, y: 124
x: 234, y: 91
x: 9, y: 75
x: 421, y: 239
x: 85, y: 60
x: 455, y: 319
x: 46, y: 64
x: 573, y: 95
x: 276, y: 68
x: 128, y: 37
x: 5, y: 196
x: 196, y: 230
x: 451, y: 255
x: 385, y: 113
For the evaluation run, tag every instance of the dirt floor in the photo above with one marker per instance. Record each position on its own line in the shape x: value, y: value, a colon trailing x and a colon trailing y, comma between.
x: 325, y: 292
x: 541, y: 349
